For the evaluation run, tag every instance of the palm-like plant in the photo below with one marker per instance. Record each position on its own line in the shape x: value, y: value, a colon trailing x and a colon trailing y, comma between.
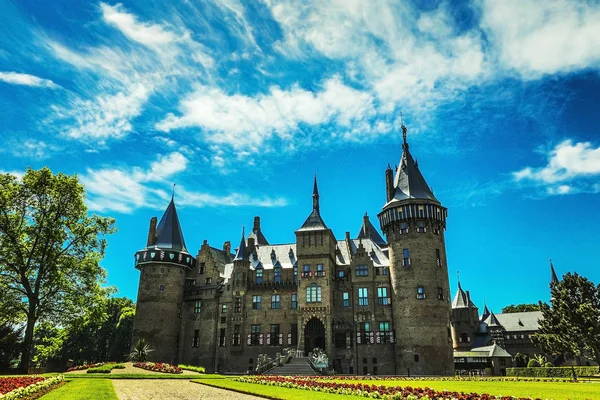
x: 140, y: 351
x: 541, y: 359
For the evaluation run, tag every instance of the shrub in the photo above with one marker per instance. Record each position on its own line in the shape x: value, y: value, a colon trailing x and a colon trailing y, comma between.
x: 533, y: 363
x: 104, y: 369
x: 548, y: 365
x: 552, y: 372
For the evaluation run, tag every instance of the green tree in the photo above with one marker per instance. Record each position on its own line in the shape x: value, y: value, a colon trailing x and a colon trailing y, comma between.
x: 520, y: 308
x: 50, y: 248
x: 572, y: 320
x: 10, y: 345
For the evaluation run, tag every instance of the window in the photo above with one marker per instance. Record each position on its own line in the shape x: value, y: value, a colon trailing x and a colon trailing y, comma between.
x: 222, y: 337
x: 275, y: 335
x: 320, y: 270
x: 341, y: 274
x: 275, y: 301
x: 382, y: 296
x: 340, y: 340
x: 464, y: 338
x: 254, y: 335
x: 440, y: 293
x: 208, y: 281
x: 421, y: 212
x: 346, y: 299
x: 405, y: 258
x: 196, y: 338
x: 313, y: 294
x: 294, y: 301
x: 363, y: 296
x: 421, y: 227
x: 381, y: 271
x: 365, y: 327
x: 306, y: 272
x: 416, y: 358
x: 277, y: 274
x: 201, y: 268
x: 294, y: 329
x: 404, y: 228
x: 384, y: 332
x: 161, y: 288
x: 295, y: 273
x: 223, y: 320
x: 237, y: 305
x: 197, y: 306
x: 256, y: 302
x: 191, y: 282
x: 236, y: 335
x: 259, y: 275
x: 420, y: 293
x: 374, y: 360
x: 223, y: 308
x: 375, y: 368
x: 384, y: 326
x: 362, y: 270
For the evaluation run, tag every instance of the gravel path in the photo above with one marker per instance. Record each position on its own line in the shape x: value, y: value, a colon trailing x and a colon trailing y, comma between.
x: 130, y: 369
x: 172, y: 389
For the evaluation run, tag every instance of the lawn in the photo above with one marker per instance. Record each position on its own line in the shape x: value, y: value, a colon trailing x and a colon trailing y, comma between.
x: 84, y: 389
x: 542, y: 390
x: 272, y: 392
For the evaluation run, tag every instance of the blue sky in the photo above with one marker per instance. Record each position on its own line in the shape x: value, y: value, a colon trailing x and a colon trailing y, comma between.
x: 239, y: 103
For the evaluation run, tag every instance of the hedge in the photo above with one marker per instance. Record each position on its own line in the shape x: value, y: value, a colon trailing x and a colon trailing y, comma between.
x: 542, y: 372
x: 192, y: 368
x: 105, y: 369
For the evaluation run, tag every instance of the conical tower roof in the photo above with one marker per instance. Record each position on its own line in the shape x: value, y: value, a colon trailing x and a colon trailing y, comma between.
x: 241, y: 251
x: 553, y: 276
x: 486, y: 312
x: 461, y: 300
x: 168, y: 232
x: 492, y: 320
x: 368, y: 231
x: 409, y: 183
x: 314, y: 220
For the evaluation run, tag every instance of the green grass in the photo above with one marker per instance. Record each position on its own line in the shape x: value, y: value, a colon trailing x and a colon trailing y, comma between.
x: 130, y: 376
x: 104, y: 369
x: 542, y: 390
x: 192, y: 368
x: 272, y: 392
x: 84, y: 389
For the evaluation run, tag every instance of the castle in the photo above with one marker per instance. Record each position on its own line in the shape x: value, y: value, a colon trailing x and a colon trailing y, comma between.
x: 374, y: 306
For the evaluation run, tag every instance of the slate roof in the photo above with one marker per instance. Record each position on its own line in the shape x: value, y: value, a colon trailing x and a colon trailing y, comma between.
x: 485, y: 351
x: 521, y: 321
x: 461, y: 300
x: 168, y: 231
x: 492, y: 320
x: 409, y: 183
x: 258, y: 236
x: 241, y: 251
x: 368, y: 231
x: 486, y: 313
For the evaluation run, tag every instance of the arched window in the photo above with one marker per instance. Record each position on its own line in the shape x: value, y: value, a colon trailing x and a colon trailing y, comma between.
x: 259, y: 275
x: 277, y: 274
x: 313, y: 293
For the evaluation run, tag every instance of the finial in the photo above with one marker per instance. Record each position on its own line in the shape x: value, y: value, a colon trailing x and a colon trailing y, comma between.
x: 416, y: 162
x: 404, y: 131
x: 553, y: 277
x: 458, y: 277
x: 173, y: 192
x: 316, y: 195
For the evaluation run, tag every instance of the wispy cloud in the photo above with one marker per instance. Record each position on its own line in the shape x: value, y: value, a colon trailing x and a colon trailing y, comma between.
x: 16, y: 78
x: 536, y: 38
x: 571, y: 168
x: 18, y: 174
x: 126, y: 189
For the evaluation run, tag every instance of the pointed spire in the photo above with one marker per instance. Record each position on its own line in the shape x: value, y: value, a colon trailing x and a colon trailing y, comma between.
x: 168, y: 231
x: 173, y: 193
x: 316, y: 195
x: 241, y: 251
x: 554, y: 277
x: 461, y: 299
x: 492, y: 320
x: 486, y: 312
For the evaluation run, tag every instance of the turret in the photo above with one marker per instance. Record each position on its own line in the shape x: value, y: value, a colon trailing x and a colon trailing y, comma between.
x: 465, y: 320
x: 162, y: 264
x: 414, y: 221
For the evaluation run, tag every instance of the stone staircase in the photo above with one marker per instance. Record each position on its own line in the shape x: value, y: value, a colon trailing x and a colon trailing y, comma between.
x: 296, y: 366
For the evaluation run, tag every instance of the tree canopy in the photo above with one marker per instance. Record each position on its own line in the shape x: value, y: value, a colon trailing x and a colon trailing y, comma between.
x: 572, y: 319
x: 520, y: 308
x: 50, y: 249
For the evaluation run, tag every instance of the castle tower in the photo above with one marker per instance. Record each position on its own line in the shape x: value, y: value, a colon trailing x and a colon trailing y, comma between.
x: 315, y: 247
x: 414, y: 222
x: 163, y: 264
x: 465, y: 320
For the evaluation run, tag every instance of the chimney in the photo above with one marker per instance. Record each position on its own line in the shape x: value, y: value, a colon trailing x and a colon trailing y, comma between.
x: 389, y: 183
x: 256, y: 226
x: 227, y: 247
x: 251, y: 245
x: 366, y: 224
x: 152, y: 232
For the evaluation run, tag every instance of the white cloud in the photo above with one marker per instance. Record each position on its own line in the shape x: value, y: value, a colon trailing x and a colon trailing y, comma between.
x: 15, y: 78
x: 17, y: 174
x: 245, y: 122
x: 126, y: 189
x: 543, y: 37
x: 570, y: 168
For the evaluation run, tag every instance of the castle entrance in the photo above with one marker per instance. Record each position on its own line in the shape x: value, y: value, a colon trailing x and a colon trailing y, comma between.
x: 314, y: 335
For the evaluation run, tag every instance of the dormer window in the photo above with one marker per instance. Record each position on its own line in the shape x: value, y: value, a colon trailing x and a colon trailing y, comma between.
x: 277, y: 274
x: 405, y: 258
x: 306, y: 272
x: 320, y: 270
x: 404, y: 228
x: 201, y: 268
x: 421, y: 227
x: 259, y: 275
x: 420, y: 293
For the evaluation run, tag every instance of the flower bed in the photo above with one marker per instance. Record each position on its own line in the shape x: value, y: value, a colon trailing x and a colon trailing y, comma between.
x: 84, y: 366
x: 26, y: 387
x: 159, y: 367
x: 438, y: 378
x: 365, y: 390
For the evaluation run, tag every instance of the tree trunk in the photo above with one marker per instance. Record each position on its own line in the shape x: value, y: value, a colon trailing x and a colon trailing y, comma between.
x: 28, y: 340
